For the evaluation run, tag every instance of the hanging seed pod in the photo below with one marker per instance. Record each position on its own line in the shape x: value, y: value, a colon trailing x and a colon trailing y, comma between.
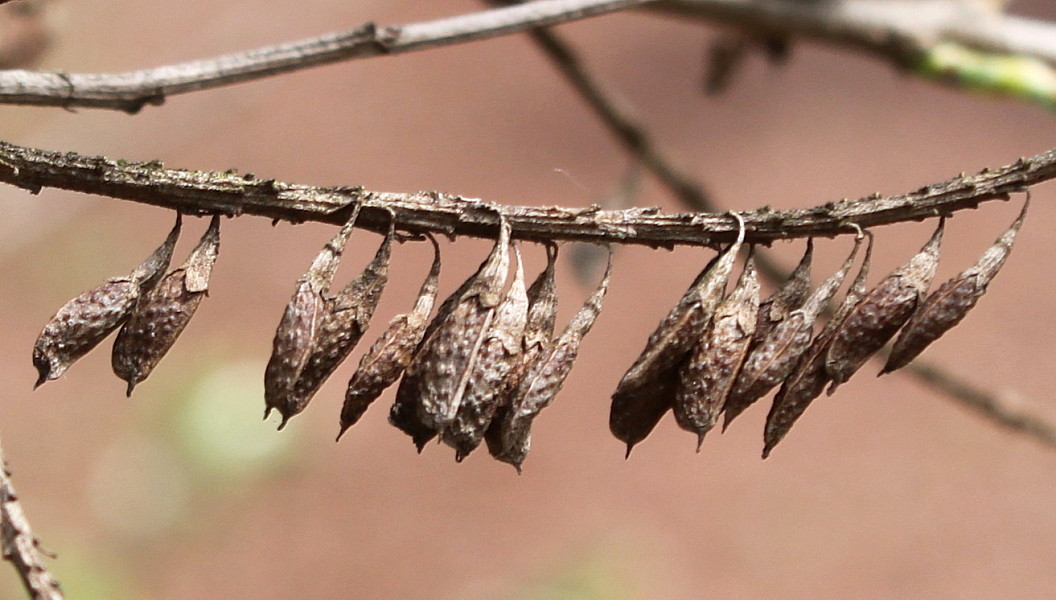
x: 491, y: 365
x: 387, y: 358
x: 510, y: 439
x: 444, y: 363
x: 646, y: 391
x: 161, y: 314
x: 945, y: 307
x: 705, y: 380
x: 538, y: 334
x: 342, y: 325
x: 296, y: 334
x: 788, y: 298
x: 882, y: 312
x: 809, y: 376
x: 404, y: 412
x: 84, y: 321
x: 771, y: 359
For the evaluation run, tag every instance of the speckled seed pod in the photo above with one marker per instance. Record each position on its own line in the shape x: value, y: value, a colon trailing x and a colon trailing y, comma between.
x: 538, y: 334
x: 945, y: 307
x: 296, y: 334
x: 161, y: 314
x: 444, y: 363
x: 491, y: 365
x: 771, y: 359
x: 341, y: 326
x: 787, y: 298
x: 511, y: 440
x: 387, y: 358
x: 705, y: 380
x: 881, y: 313
x: 84, y: 321
x: 809, y: 376
x: 646, y: 391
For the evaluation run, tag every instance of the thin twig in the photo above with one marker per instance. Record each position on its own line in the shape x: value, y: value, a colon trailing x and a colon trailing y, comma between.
x: 130, y: 91
x: 231, y: 193
x: 20, y: 548
x: 895, y: 30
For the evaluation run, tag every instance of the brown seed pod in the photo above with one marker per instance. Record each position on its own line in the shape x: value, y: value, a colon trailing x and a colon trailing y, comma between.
x: 706, y: 378
x: 771, y: 359
x: 387, y: 358
x: 162, y: 313
x: 509, y: 439
x: 84, y: 321
x: 491, y: 365
x: 444, y: 362
x: 882, y: 312
x: 341, y: 326
x: 538, y: 334
x: 809, y: 376
x: 945, y: 307
x: 788, y: 298
x: 296, y: 334
x: 646, y: 391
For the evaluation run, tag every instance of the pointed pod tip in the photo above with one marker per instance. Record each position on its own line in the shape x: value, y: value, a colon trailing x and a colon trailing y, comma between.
x: 766, y: 451
x: 700, y: 441
x: 131, y: 386
x: 344, y: 428
x: 630, y: 446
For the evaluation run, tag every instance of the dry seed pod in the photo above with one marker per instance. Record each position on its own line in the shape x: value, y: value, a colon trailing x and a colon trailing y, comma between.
x: 84, y: 321
x: 341, y: 326
x: 491, y: 365
x: 809, y: 376
x: 538, y: 331
x: 444, y: 362
x: 882, y: 312
x: 646, y: 391
x: 387, y: 358
x: 945, y: 307
x: 705, y: 380
x: 511, y: 440
x: 771, y: 359
x: 161, y: 314
x: 788, y: 298
x: 295, y: 336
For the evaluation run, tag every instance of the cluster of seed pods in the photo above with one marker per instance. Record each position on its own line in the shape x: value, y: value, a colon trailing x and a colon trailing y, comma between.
x: 483, y: 367
x: 718, y: 352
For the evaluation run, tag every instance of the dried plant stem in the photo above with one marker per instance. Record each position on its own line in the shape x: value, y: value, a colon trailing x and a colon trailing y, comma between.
x: 133, y: 90
x: 206, y: 192
x: 20, y: 548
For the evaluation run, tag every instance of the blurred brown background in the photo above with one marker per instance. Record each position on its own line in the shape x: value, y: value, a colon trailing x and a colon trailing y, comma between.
x: 884, y: 490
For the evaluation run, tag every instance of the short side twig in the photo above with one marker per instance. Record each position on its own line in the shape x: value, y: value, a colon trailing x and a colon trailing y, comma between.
x: 133, y: 90
x: 19, y: 546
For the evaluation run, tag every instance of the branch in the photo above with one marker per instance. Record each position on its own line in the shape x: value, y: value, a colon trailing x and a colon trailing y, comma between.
x: 19, y: 545
x: 132, y: 90
x: 231, y: 193
x: 957, y: 41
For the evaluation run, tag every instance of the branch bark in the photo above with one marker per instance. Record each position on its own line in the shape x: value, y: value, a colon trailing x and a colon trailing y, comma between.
x: 231, y: 193
x: 20, y: 548
x: 131, y: 91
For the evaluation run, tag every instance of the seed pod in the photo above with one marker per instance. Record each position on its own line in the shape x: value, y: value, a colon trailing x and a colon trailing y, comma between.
x: 788, y: 298
x: 538, y: 331
x: 343, y: 323
x: 491, y: 365
x: 444, y: 363
x: 771, y: 359
x: 705, y: 380
x: 809, y: 376
x: 945, y: 307
x: 511, y: 440
x: 386, y: 360
x: 881, y: 313
x: 161, y: 314
x: 646, y: 391
x: 84, y: 321
x: 296, y: 334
